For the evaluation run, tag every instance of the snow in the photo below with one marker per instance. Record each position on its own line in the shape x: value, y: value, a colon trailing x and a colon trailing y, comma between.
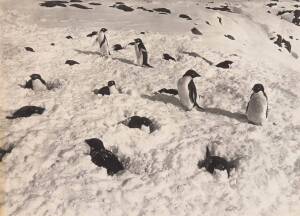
x: 49, y: 172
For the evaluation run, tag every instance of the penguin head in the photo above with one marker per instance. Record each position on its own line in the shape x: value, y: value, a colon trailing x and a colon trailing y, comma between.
x: 258, y: 87
x: 103, y: 30
x: 35, y: 76
x: 138, y: 40
x: 191, y: 73
x: 95, y: 144
x: 111, y: 83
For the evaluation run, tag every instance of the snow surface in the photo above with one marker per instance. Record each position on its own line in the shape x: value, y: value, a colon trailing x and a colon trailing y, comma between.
x: 49, y: 172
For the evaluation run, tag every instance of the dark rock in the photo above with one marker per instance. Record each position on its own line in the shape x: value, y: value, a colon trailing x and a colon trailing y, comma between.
x: 225, y: 64
x: 196, y: 31
x: 162, y: 10
x: 184, y: 16
x: 29, y: 49
x: 207, y: 22
x: 291, y: 37
x: 75, y: 1
x: 69, y: 37
x: 221, y: 8
x: 168, y: 57
x: 26, y: 111
x: 230, y: 37
x: 92, y: 34
x: 271, y: 4
x: 220, y: 20
x: 52, y: 44
x: 94, y: 3
x: 80, y: 6
x: 122, y: 7
x: 142, y: 32
x: 71, y: 62
x: 54, y: 4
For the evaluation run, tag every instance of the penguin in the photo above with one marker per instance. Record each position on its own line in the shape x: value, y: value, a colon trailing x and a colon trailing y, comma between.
x: 215, y: 162
x: 107, y: 90
x: 103, y: 42
x: 36, y: 83
x: 257, y: 107
x: 26, y: 111
x: 141, y: 53
x: 187, y: 90
x: 104, y: 158
x: 142, y: 123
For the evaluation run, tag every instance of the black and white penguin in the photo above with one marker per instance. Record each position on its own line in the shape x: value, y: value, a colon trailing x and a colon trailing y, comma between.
x: 187, y: 90
x: 257, y: 108
x: 142, y: 123
x: 104, y: 158
x: 215, y: 162
x: 26, y: 111
x: 36, y: 83
x: 103, y: 42
x: 107, y: 90
x: 141, y: 53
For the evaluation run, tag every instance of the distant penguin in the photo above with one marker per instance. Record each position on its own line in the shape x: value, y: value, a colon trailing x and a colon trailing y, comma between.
x: 257, y: 108
x: 26, y: 111
x: 103, y: 42
x: 142, y: 123
x: 107, y: 90
x: 36, y: 83
x: 187, y: 90
x: 141, y: 53
x: 104, y: 158
x: 215, y: 162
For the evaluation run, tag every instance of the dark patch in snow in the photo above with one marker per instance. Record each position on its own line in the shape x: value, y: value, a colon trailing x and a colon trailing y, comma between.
x: 117, y: 47
x: 220, y: 20
x: 3, y: 151
x: 167, y: 57
x: 71, y: 62
x: 207, y: 22
x: 139, y: 122
x: 271, y: 4
x: 29, y: 49
x: 162, y: 10
x: 168, y: 91
x: 283, y: 12
x: 87, y: 52
x: 122, y: 6
x: 80, y: 6
x: 92, y: 34
x: 237, y: 116
x: 142, y: 32
x: 221, y: 8
x: 75, y: 1
x: 54, y: 4
x: 94, y: 3
x: 52, y: 44
x: 194, y: 54
x: 196, y: 31
x: 103, y: 157
x: 69, y: 37
x: 291, y: 37
x: 184, y: 16
x: 225, y: 64
x: 144, y: 9
x: 280, y: 40
x: 230, y: 37
x: 166, y: 99
x: 26, y: 111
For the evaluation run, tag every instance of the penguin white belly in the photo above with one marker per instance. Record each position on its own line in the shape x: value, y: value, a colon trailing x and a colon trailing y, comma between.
x: 113, y: 90
x: 139, y: 56
x: 257, y: 108
x: 104, y: 49
x: 37, y: 85
x: 183, y: 92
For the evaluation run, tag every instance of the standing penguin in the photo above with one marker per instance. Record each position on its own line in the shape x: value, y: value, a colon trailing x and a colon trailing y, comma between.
x: 36, y: 83
x: 257, y: 108
x: 187, y: 90
x: 103, y: 42
x: 141, y: 53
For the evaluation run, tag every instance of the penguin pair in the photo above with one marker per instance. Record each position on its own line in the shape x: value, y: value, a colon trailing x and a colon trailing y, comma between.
x: 107, y: 90
x: 103, y: 42
x: 103, y: 157
x: 36, y: 83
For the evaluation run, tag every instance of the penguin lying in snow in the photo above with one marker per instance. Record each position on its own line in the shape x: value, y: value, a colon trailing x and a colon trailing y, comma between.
x: 141, y: 53
x: 102, y: 157
x: 187, y: 90
x: 142, y: 123
x: 3, y: 152
x: 257, y: 108
x: 215, y: 162
x: 36, y: 83
x: 107, y: 90
x: 26, y: 111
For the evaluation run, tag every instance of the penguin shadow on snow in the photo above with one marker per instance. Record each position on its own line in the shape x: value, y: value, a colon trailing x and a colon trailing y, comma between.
x: 126, y: 61
x: 167, y: 99
x: 217, y: 111
x: 87, y: 52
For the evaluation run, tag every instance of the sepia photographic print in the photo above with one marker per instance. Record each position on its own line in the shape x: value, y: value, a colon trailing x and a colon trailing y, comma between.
x: 149, y: 108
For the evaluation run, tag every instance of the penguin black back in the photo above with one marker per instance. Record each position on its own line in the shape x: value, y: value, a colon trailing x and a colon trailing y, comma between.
x: 138, y: 122
x: 102, y: 157
x: 215, y: 162
x: 26, y: 111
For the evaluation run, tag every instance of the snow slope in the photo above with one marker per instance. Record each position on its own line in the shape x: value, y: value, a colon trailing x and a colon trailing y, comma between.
x: 49, y: 171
